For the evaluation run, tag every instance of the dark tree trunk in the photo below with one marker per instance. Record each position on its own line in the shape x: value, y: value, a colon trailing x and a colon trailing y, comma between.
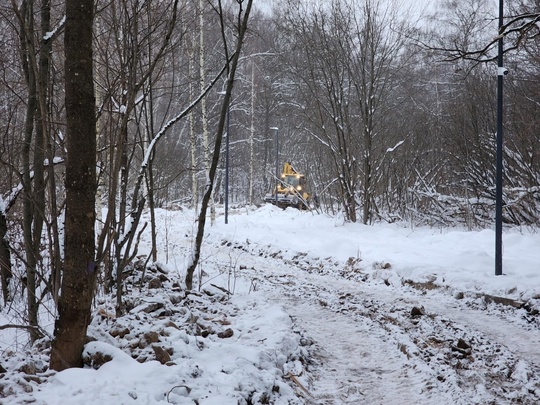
x: 31, y: 223
x: 79, y: 247
x: 5, y: 258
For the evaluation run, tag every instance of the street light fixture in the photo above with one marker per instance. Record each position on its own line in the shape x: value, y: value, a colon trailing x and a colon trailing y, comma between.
x: 277, y: 161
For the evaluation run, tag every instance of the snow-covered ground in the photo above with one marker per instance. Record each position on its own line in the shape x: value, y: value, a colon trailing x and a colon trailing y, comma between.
x: 297, y: 307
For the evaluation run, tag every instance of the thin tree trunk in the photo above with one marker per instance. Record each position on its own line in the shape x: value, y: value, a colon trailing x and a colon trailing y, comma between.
x: 150, y: 172
x: 366, y: 208
x: 204, y: 115
x: 217, y: 146
x: 44, y: 93
x: 251, y: 134
x: 29, y: 66
x: 193, y: 141
x: 5, y: 258
x: 149, y: 175
x: 151, y: 207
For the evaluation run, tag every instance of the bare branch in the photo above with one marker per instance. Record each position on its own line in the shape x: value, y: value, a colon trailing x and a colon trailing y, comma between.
x: 517, y: 30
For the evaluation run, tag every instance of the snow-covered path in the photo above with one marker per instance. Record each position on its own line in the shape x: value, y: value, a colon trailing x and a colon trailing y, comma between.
x: 371, y: 347
x: 375, y: 338
x: 348, y: 354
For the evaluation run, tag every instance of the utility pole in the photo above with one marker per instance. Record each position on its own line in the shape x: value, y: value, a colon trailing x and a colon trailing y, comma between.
x: 277, y: 161
x: 501, y: 72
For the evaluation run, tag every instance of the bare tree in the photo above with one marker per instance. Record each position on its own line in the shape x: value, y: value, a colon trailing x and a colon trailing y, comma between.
x: 464, y: 38
x: 464, y: 33
x: 346, y: 60
x: 79, y: 249
x: 35, y: 52
x: 130, y: 68
x: 241, y: 25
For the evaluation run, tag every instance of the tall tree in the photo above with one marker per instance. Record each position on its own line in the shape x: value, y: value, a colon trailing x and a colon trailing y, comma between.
x: 79, y: 246
x: 35, y: 59
x: 345, y: 57
x: 242, y: 19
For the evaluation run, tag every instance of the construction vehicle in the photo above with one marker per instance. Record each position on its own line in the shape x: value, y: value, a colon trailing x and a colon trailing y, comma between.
x: 291, y: 189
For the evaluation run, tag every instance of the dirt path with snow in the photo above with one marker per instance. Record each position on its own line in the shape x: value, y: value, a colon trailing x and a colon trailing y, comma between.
x: 348, y: 367
x: 378, y: 344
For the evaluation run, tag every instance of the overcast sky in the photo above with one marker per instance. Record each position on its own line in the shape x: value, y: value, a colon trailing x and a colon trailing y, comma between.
x: 417, y: 7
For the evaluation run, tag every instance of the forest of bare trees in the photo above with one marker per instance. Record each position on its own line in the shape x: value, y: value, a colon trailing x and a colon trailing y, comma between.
x: 391, y: 114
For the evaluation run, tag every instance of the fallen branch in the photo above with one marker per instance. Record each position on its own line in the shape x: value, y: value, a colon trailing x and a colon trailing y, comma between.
x: 221, y: 288
x: 293, y: 377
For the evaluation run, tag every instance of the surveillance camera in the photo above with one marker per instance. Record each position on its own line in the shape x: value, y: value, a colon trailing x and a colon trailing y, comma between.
x: 502, y: 71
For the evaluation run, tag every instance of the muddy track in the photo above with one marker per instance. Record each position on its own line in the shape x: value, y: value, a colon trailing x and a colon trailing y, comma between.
x: 377, y: 344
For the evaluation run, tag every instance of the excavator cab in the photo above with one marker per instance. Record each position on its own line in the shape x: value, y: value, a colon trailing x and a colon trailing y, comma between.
x: 291, y: 190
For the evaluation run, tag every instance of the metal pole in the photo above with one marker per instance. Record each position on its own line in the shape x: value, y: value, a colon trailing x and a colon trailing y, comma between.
x: 227, y: 168
x: 501, y: 72
x: 277, y: 161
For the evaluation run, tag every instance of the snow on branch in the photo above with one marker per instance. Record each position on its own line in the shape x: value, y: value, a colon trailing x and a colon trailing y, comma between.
x: 397, y: 145
x: 167, y: 126
x: 175, y: 119
x: 7, y: 202
x: 49, y: 36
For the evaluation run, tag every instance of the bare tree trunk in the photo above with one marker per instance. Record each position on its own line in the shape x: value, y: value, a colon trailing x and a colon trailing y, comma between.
x: 149, y: 174
x: 30, y: 222
x: 42, y: 145
x: 242, y: 28
x: 151, y: 207
x: 46, y: 148
x: 204, y: 114
x: 79, y: 248
x: 193, y: 140
x: 5, y: 258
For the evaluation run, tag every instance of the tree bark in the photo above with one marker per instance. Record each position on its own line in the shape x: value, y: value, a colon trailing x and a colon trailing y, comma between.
x: 5, y: 258
x: 31, y: 223
x: 79, y: 246
x: 204, y: 112
x: 193, y: 138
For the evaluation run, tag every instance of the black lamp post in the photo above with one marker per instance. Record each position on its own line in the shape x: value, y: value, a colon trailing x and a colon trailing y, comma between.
x: 277, y: 161
x: 501, y: 72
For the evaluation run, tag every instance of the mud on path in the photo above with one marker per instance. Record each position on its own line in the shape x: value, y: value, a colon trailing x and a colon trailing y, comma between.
x: 373, y: 343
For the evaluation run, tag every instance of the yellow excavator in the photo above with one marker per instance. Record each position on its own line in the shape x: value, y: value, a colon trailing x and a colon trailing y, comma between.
x: 291, y: 190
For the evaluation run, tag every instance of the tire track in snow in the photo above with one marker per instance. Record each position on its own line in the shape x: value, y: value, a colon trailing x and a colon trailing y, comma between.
x: 363, y: 331
x: 357, y: 361
x: 349, y: 358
